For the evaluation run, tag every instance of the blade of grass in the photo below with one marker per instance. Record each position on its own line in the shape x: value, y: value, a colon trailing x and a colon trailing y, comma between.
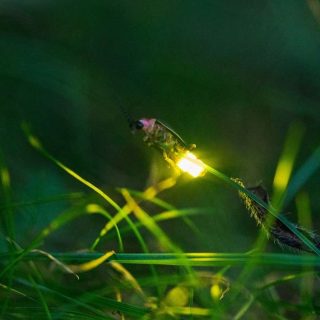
x: 186, y: 311
x: 264, y: 205
x: 281, y: 179
x: 129, y: 310
x: 286, y: 163
x: 155, y: 200
x: 76, y: 302
x: 57, y: 262
x: 153, y: 227
x: 244, y: 308
x: 273, y: 211
x: 76, y: 315
x: 149, y: 223
x: 257, y: 292
x: 42, y: 299
x: 123, y: 214
x: 62, y: 197
x: 150, y: 195
x: 17, y: 292
x: 172, y: 214
x: 93, y: 208
x: 314, y: 7
x: 119, y: 299
x: 128, y: 277
x: 87, y: 266
x: 304, y: 173
x: 32, y: 267
x: 159, y: 234
x: 199, y: 259
x: 304, y: 218
x: 8, y: 221
x: 67, y: 216
x: 145, y: 196
x: 35, y: 142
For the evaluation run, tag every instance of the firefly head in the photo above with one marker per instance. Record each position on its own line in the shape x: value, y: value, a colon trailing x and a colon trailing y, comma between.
x: 136, y: 125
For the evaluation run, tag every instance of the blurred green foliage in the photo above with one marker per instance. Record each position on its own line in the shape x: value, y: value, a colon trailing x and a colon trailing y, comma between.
x: 230, y: 76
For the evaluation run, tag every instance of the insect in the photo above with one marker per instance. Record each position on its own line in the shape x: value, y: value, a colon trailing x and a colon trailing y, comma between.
x: 174, y: 150
x: 279, y: 232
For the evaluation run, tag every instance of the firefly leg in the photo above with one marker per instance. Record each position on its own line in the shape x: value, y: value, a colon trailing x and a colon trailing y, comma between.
x: 170, y: 161
x: 172, y: 164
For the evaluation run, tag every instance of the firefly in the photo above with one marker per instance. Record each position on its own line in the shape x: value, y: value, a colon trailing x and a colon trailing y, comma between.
x: 174, y: 150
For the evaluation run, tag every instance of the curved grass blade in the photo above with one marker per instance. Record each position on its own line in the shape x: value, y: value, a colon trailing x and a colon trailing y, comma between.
x: 155, y: 200
x: 128, y: 277
x: 94, y: 208
x: 56, y: 261
x: 87, y: 266
x: 150, y: 195
x: 153, y: 227
x: 17, y: 292
x: 244, y: 308
x: 33, y: 268
x: 35, y: 142
x: 172, y: 214
x: 67, y: 216
x: 267, y: 207
x: 302, y: 175
x: 278, y: 231
x: 286, y: 163
x: 149, y: 222
x: 123, y: 214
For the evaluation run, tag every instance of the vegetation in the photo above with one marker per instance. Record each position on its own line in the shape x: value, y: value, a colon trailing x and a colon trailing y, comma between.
x: 95, y: 224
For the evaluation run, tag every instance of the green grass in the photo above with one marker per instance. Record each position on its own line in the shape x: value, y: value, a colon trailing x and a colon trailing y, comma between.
x: 93, y: 223
x: 162, y: 280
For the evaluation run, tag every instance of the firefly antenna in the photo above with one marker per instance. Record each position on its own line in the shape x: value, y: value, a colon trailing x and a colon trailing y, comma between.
x: 124, y: 110
x: 126, y: 114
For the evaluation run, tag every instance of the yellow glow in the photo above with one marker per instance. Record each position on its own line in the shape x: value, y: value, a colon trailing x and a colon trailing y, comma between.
x: 5, y: 177
x: 191, y: 164
x: 177, y: 297
x: 283, y: 173
x: 216, y: 292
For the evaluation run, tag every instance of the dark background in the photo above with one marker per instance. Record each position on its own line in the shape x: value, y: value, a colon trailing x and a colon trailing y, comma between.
x: 230, y: 76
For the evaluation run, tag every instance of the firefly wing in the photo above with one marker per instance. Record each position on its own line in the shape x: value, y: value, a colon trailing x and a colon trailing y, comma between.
x: 173, y: 133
